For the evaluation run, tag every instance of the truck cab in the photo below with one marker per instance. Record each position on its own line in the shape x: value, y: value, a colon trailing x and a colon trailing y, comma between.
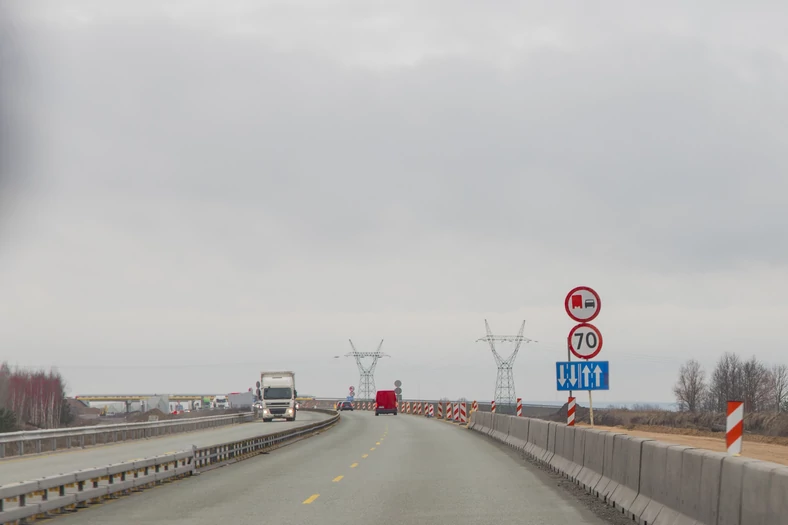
x: 221, y: 402
x: 277, y: 394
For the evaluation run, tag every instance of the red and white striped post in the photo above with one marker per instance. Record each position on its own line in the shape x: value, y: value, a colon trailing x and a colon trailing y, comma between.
x: 474, y: 406
x: 735, y: 427
x: 492, y: 407
x: 407, y: 410
x: 570, y: 412
x: 519, y: 407
x: 456, y: 416
x: 440, y: 410
x: 432, y: 411
x: 463, y: 413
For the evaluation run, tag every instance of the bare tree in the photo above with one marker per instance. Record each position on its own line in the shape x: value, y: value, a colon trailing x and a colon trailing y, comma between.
x: 690, y: 387
x: 755, y: 385
x: 726, y: 382
x: 778, y: 387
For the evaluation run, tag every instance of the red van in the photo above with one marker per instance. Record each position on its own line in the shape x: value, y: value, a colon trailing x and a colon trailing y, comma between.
x: 386, y: 402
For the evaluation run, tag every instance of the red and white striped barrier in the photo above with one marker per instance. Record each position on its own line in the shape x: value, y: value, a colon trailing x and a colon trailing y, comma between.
x: 419, y: 409
x: 492, y: 407
x: 463, y: 412
x: 431, y: 411
x: 570, y: 412
x: 407, y: 408
x: 735, y: 427
x: 440, y: 410
x: 450, y: 411
x: 474, y: 406
x: 519, y: 407
x: 456, y: 414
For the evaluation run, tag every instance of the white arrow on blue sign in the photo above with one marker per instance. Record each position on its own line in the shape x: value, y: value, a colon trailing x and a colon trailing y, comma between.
x: 582, y: 375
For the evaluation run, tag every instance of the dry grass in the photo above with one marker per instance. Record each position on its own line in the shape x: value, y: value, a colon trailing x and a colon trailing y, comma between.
x: 760, y: 427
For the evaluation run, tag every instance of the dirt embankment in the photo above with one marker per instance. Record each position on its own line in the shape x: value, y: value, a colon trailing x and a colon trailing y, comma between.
x: 765, y: 434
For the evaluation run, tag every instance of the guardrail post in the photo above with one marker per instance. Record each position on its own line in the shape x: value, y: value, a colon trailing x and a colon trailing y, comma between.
x: 21, y: 448
x: 2, y: 455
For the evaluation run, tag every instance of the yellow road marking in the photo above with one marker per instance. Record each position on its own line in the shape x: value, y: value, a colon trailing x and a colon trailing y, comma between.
x: 378, y: 443
x: 373, y: 448
x: 311, y: 498
x: 354, y: 465
x: 338, y: 478
x: 365, y: 456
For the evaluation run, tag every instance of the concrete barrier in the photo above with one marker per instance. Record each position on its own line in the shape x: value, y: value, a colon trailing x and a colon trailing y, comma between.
x: 626, y: 472
x: 652, y: 482
x: 764, y: 496
x: 501, y: 425
x: 607, y: 484
x: 593, y: 459
x: 518, y: 433
x: 537, y: 439
x: 558, y: 461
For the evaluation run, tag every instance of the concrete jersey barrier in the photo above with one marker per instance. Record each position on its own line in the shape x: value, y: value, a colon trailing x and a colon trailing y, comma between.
x: 652, y: 482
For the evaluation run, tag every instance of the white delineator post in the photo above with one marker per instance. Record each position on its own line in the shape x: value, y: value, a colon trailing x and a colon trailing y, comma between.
x: 570, y: 412
x: 519, y: 407
x: 734, y: 429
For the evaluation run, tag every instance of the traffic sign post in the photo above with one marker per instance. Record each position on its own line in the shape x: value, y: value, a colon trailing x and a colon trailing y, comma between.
x: 398, y: 390
x: 583, y: 304
x: 579, y: 375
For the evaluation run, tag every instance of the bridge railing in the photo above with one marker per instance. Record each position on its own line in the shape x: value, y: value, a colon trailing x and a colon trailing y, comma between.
x: 50, y: 440
x: 51, y: 495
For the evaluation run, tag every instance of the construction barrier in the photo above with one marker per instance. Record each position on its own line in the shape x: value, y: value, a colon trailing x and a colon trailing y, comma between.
x: 440, y: 410
x: 570, y: 412
x: 492, y: 407
x: 519, y: 407
x: 463, y: 413
x: 455, y: 412
x: 735, y: 427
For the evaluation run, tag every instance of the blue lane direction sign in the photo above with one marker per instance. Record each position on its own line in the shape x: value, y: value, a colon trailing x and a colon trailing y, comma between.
x: 582, y: 375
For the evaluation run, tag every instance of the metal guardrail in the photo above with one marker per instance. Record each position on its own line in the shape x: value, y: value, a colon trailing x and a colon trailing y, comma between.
x: 63, y: 493
x: 37, y: 441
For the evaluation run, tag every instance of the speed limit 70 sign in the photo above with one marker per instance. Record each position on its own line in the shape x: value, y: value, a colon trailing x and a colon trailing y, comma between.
x: 585, y: 341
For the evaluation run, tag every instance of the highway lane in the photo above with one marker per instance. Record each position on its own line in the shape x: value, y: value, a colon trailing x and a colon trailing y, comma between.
x: 387, y: 470
x: 31, y: 467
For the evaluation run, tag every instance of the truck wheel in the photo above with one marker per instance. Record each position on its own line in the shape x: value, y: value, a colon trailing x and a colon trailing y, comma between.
x: 290, y: 419
x: 376, y: 413
x: 267, y: 420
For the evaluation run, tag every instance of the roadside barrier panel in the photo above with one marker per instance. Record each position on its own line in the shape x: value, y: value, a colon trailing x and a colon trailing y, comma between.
x: 731, y: 490
x: 660, y: 481
x: 485, y: 422
x: 558, y: 461
x: 764, y: 496
x: 537, y: 439
x: 699, y: 487
x: 501, y: 427
x: 607, y: 484
x: 578, y: 454
x: 548, y: 455
x: 669, y: 500
x: 518, y: 433
x: 593, y: 459
x: 626, y: 471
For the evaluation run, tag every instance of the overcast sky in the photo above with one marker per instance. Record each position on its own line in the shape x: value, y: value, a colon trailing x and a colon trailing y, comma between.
x: 211, y: 189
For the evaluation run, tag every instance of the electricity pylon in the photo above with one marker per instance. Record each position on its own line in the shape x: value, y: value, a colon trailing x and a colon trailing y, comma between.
x: 504, y: 382
x: 366, y: 381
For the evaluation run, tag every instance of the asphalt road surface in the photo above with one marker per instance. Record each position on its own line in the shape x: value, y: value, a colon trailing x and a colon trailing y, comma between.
x: 32, y: 467
x: 367, y: 470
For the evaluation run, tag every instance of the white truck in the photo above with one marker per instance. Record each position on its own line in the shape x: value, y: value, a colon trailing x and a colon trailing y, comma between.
x: 221, y: 402
x: 277, y: 394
